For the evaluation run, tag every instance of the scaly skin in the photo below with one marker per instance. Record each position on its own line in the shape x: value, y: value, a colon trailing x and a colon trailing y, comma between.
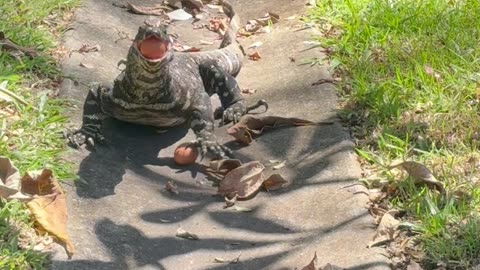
x: 170, y: 91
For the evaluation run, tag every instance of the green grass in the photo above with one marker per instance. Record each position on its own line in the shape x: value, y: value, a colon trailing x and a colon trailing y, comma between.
x: 411, y: 90
x: 31, y: 126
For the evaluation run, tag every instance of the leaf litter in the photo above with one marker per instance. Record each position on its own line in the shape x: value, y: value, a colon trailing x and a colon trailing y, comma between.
x: 185, y: 234
x: 43, y: 196
x: 260, y: 25
x: 249, y: 126
x: 313, y: 265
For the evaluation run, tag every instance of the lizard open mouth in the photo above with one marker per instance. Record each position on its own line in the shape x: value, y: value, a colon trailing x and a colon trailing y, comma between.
x: 153, y: 48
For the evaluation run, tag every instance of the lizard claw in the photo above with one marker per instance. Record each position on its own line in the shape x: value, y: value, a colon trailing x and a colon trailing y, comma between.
x: 233, y: 113
x: 210, y: 145
x: 84, y: 136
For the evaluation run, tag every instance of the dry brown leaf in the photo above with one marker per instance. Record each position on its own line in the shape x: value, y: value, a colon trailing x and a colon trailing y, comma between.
x: 157, y: 10
x: 313, y: 265
x: 419, y: 173
x: 254, y: 56
x: 171, y: 187
x: 48, y: 206
x: 387, y: 229
x: 9, y: 177
x: 274, y: 182
x: 248, y: 126
x: 217, y: 25
x: 224, y: 165
x: 186, y: 235
x: 243, y: 181
x: 259, y: 25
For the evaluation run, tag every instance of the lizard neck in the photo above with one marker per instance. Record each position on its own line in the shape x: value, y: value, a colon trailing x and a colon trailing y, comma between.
x: 147, y: 82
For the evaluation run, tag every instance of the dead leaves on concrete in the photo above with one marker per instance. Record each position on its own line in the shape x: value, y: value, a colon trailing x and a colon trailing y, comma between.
x: 250, y: 126
x: 313, y: 265
x: 260, y: 25
x: 43, y: 197
x: 237, y: 181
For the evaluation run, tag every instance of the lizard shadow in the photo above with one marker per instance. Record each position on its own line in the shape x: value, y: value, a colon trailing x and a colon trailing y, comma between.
x: 129, y: 146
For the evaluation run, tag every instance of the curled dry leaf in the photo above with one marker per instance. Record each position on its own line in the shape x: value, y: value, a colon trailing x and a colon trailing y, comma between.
x: 225, y: 165
x: 156, y: 10
x: 274, y: 182
x: 254, y: 56
x: 419, y: 173
x: 248, y: 126
x: 217, y: 25
x: 186, y: 235
x: 85, y: 48
x: 48, y: 205
x: 387, y: 229
x: 171, y: 187
x: 243, y: 181
x: 9, y: 177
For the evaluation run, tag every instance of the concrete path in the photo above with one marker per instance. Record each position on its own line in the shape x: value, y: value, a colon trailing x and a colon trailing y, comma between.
x: 120, y: 216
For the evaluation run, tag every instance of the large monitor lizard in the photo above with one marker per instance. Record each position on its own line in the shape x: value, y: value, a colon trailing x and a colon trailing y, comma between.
x: 167, y: 88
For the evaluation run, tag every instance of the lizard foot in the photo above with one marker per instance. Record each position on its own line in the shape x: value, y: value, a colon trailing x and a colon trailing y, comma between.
x: 210, y: 145
x: 233, y: 113
x: 85, y: 136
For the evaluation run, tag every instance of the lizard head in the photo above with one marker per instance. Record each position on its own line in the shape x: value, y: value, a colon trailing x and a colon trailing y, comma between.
x: 152, y: 41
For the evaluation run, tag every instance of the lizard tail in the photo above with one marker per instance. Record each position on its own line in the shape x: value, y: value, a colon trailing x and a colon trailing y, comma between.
x: 230, y: 36
x: 230, y: 55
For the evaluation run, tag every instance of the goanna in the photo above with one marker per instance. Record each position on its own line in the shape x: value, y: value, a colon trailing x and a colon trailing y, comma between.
x: 168, y: 88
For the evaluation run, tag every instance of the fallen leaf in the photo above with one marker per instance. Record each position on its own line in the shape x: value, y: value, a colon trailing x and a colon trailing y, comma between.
x: 313, y: 265
x: 156, y: 10
x: 279, y: 165
x: 249, y: 125
x: 186, y: 235
x: 217, y: 25
x: 85, y: 48
x: 224, y: 165
x: 9, y: 177
x: 171, y: 187
x: 260, y: 25
x: 274, y: 182
x: 419, y: 173
x: 243, y: 181
x: 48, y: 205
x: 86, y: 65
x: 386, y: 230
x: 254, y: 56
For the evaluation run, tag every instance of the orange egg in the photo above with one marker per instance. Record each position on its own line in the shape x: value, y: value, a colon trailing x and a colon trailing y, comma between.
x: 185, y: 154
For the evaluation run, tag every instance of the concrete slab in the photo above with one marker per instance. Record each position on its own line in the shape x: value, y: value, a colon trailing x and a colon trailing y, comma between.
x: 120, y: 217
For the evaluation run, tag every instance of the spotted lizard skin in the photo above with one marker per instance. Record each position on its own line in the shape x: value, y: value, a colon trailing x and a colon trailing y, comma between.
x: 173, y: 91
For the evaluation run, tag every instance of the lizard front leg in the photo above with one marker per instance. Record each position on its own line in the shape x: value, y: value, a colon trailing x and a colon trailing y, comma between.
x: 201, y: 122
x: 90, y: 131
x: 216, y: 80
